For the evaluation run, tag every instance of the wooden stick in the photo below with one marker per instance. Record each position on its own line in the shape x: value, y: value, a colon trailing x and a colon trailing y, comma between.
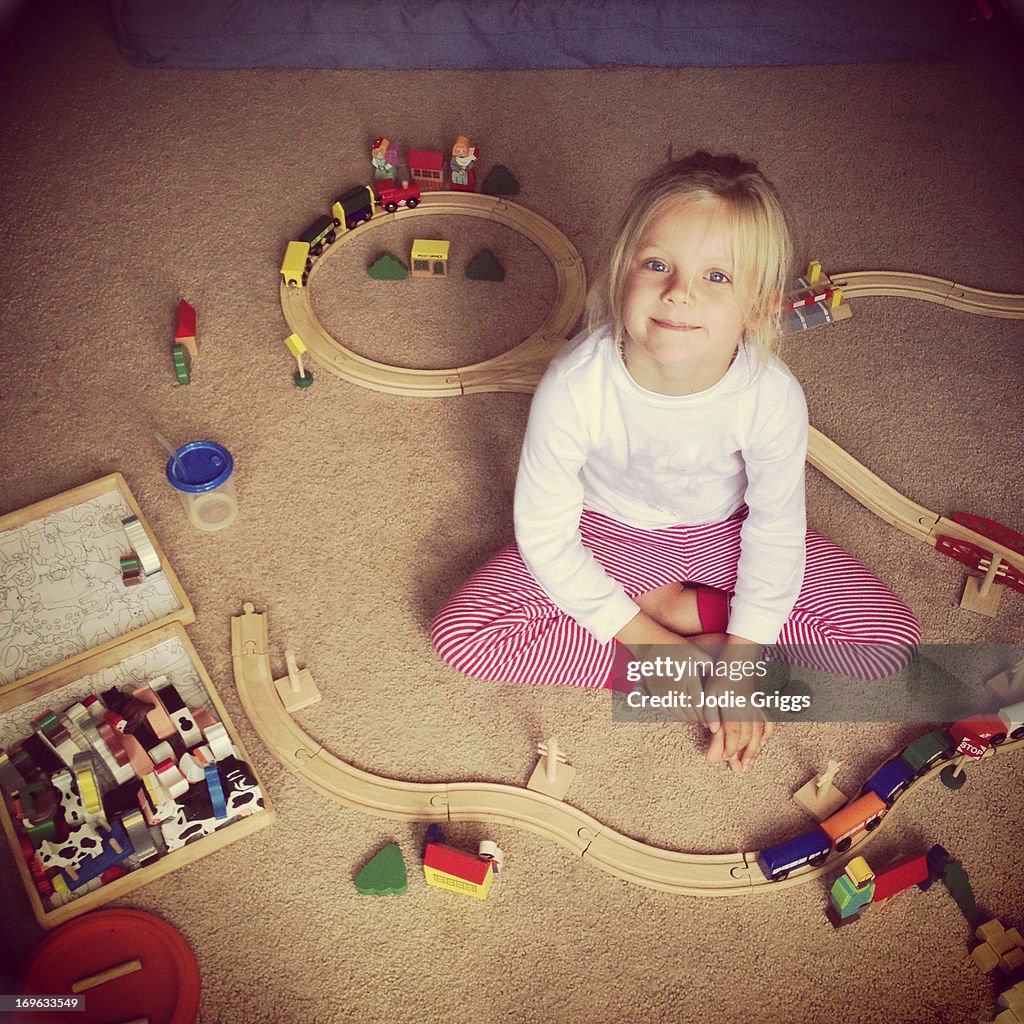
x: 551, y: 767
x: 102, y: 977
x: 993, y: 568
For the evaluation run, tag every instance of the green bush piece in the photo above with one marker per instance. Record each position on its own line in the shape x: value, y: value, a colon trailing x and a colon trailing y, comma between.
x: 388, y: 267
x: 500, y: 182
x: 384, y: 874
x: 484, y: 266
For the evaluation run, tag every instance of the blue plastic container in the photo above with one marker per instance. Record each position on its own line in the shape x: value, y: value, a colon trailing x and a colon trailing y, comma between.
x: 202, y: 474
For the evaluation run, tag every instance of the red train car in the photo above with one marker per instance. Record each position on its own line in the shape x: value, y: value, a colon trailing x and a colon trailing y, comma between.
x: 393, y: 197
x: 895, y: 879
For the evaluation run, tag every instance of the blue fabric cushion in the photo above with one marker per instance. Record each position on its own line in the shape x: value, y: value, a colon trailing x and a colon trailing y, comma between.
x: 531, y: 33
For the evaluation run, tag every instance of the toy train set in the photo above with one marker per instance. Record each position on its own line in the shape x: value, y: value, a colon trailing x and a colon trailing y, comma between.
x: 537, y: 810
x: 357, y: 205
x: 970, y: 738
x: 348, y: 211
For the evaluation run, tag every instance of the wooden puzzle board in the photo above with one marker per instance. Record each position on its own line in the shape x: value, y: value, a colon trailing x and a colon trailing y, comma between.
x: 61, y: 591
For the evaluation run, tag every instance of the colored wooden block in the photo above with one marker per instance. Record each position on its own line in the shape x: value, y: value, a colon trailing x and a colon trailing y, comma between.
x: 956, y: 881
x: 985, y: 957
x: 989, y: 929
x: 1012, y: 960
x: 182, y: 364
x: 384, y: 875
x: 1002, y: 943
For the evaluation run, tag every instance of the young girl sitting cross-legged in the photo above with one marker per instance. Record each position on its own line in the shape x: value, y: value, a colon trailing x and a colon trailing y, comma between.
x: 660, y: 493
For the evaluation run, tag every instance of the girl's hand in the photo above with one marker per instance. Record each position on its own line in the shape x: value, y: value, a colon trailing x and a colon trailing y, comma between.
x: 739, y: 730
x: 680, y: 664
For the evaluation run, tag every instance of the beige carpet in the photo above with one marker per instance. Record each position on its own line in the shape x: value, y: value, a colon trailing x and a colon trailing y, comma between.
x: 124, y: 190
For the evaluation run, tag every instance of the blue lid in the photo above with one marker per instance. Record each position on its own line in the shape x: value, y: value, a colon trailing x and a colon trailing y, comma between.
x: 199, y: 466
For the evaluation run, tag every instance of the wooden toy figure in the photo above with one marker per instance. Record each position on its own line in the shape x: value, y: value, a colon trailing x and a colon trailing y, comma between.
x: 385, y: 159
x: 464, y: 158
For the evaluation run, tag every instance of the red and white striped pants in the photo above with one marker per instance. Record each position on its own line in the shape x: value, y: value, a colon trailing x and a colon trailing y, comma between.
x: 501, y: 627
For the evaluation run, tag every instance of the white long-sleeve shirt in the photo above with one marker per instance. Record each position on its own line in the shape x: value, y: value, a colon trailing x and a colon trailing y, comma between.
x: 598, y: 440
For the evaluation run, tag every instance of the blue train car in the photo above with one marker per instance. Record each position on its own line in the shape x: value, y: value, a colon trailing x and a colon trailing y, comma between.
x: 890, y: 780
x: 777, y: 861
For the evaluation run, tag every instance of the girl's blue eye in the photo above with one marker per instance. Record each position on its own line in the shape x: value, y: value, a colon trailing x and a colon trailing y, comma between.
x: 656, y: 265
x: 717, y: 277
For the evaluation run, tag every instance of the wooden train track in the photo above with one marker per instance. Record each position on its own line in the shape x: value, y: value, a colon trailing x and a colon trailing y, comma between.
x: 518, y: 369
x: 930, y: 289
x: 730, y: 874
x: 895, y: 508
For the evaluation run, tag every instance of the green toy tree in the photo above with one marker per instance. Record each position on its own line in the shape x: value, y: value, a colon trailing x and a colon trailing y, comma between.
x: 484, y: 266
x: 500, y: 182
x: 388, y: 267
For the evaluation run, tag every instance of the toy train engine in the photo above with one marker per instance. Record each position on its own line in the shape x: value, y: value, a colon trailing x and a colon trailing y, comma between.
x: 296, y: 265
x: 393, y: 197
x: 354, y: 207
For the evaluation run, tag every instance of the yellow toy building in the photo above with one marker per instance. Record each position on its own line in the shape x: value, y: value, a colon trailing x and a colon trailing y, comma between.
x: 429, y: 258
x: 451, y: 869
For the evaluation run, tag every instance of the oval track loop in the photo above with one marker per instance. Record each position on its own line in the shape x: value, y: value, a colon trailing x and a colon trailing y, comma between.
x: 897, y: 284
x: 518, y: 369
x: 672, y: 871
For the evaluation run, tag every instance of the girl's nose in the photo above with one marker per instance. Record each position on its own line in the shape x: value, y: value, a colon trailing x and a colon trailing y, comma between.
x: 677, y: 289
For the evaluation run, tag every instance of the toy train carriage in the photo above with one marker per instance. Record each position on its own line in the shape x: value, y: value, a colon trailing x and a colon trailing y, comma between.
x: 890, y: 780
x: 926, y: 750
x: 835, y: 833
x: 394, y: 197
x: 299, y: 255
x: 320, y: 234
x: 354, y: 207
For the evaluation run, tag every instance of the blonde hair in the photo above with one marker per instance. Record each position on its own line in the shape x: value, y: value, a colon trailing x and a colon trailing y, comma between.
x: 761, y: 242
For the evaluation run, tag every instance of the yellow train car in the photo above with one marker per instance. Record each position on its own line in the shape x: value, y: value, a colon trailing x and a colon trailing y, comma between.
x: 295, y: 265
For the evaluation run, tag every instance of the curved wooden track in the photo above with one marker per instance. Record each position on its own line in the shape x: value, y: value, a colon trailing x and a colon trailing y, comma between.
x: 893, y: 507
x: 518, y: 369
x: 667, y: 870
x: 931, y: 289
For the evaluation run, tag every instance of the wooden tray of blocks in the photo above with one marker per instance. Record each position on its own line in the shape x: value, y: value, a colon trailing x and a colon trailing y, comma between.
x: 118, y: 762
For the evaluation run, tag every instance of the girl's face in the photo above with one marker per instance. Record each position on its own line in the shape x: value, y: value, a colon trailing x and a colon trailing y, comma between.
x: 682, y: 318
